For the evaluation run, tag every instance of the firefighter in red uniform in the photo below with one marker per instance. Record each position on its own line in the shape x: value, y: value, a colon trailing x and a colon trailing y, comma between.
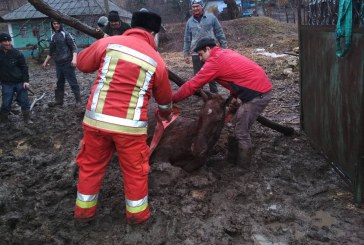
x: 129, y: 70
x: 246, y: 81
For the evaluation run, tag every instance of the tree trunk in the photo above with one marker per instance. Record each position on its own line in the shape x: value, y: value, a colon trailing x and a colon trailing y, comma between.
x: 106, y: 7
x: 68, y: 20
x: 286, y: 130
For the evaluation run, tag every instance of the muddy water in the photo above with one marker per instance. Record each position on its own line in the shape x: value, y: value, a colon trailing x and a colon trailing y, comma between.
x: 290, y: 196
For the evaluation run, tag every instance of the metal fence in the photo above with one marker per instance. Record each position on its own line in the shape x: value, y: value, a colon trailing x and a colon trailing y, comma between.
x: 332, y: 89
x: 325, y: 12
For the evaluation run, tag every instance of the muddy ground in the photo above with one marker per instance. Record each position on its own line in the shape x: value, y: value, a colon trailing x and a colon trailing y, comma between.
x: 292, y: 195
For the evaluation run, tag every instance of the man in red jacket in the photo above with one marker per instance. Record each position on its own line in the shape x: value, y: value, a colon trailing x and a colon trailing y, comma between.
x: 246, y: 81
x: 129, y: 71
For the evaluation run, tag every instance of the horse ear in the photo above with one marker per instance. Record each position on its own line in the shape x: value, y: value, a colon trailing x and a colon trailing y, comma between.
x: 205, y: 95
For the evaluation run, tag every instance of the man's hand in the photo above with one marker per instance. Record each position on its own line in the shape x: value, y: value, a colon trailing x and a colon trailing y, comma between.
x: 164, y: 115
x: 26, y: 85
x: 45, y: 64
x: 74, y: 62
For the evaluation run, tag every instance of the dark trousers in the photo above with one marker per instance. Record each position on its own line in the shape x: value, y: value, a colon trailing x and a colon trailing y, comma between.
x: 246, y: 115
x: 197, y: 65
x: 67, y: 71
x: 8, y: 91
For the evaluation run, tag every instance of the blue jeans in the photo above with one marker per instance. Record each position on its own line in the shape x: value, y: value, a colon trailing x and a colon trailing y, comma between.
x: 67, y: 71
x: 8, y: 91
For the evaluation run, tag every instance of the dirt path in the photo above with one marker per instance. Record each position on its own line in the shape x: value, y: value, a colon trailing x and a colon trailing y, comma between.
x: 292, y: 196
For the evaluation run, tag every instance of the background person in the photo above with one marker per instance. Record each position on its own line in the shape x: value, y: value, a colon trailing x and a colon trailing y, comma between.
x: 14, y: 78
x: 130, y: 70
x: 201, y: 25
x: 63, y: 50
x: 115, y: 26
x: 101, y: 23
x: 246, y: 81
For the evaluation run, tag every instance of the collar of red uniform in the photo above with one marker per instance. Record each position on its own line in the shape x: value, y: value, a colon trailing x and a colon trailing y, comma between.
x: 142, y: 34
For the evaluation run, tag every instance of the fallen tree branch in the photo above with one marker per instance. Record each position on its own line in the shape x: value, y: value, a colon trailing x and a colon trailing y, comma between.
x: 68, y: 20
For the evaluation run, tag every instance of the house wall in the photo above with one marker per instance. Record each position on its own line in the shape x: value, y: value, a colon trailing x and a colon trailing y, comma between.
x: 28, y: 32
x: 32, y: 32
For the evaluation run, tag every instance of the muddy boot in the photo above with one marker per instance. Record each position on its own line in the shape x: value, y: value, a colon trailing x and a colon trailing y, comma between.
x: 26, y: 117
x: 4, y: 117
x: 244, y: 157
x: 59, y: 94
x: 233, y: 149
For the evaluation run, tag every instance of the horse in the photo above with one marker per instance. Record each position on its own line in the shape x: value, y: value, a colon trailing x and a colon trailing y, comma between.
x: 186, y: 142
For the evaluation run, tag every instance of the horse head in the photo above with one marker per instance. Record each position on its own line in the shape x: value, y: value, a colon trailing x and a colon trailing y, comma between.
x: 210, y: 123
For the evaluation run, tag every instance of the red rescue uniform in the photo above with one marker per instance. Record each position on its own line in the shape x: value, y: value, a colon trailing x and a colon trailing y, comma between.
x: 129, y: 70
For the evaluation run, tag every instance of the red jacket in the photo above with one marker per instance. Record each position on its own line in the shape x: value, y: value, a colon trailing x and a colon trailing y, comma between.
x: 129, y: 69
x: 243, y: 77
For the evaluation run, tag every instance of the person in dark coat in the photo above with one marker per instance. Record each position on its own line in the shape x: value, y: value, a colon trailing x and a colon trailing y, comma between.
x: 115, y: 26
x: 14, y: 78
x: 63, y: 50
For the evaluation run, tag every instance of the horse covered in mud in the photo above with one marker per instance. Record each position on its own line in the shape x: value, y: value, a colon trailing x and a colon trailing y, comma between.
x: 186, y: 142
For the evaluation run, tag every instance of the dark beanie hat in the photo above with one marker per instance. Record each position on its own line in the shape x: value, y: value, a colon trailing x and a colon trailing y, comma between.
x: 113, y: 16
x: 5, y: 37
x: 148, y: 20
x: 202, y: 43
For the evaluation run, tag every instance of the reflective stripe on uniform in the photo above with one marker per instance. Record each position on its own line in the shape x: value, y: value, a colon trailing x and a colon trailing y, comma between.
x: 147, y: 69
x: 165, y: 107
x: 132, y: 52
x: 137, y: 206
x: 86, y: 201
x: 101, y: 82
x: 116, y: 120
x: 114, y: 124
x: 145, y: 78
x: 131, y: 123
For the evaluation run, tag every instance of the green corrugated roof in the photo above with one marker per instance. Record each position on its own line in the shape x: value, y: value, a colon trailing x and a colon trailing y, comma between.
x: 68, y: 7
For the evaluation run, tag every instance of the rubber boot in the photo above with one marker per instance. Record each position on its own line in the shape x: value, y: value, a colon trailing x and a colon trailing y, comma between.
x: 4, y: 117
x: 244, y: 157
x: 26, y: 116
x: 59, y: 94
x: 77, y: 97
x: 233, y: 149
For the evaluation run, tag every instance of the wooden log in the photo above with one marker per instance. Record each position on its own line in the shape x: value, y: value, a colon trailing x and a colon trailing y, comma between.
x: 286, y: 130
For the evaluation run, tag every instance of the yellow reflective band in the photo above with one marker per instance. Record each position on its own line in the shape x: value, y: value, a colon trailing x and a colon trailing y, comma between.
x: 114, y: 127
x: 106, y: 85
x: 123, y: 56
x: 132, y: 52
x: 83, y: 204
x: 116, y: 120
x: 137, y: 98
x: 138, y: 209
